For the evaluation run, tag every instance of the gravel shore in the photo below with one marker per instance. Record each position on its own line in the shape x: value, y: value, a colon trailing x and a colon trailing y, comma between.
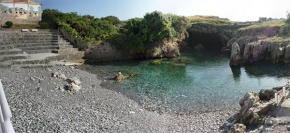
x: 39, y: 104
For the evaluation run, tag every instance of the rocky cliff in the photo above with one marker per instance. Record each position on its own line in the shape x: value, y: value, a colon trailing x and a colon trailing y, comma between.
x: 167, y: 49
x: 254, y: 44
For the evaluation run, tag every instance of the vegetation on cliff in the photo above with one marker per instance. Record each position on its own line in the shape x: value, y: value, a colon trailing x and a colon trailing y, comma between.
x: 213, y: 20
x: 134, y: 34
x: 139, y: 33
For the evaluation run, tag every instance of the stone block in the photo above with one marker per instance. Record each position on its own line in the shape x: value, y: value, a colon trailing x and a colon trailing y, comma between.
x: 24, y: 30
x: 34, y: 30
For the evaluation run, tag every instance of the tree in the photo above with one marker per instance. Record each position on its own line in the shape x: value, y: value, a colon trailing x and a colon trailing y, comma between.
x: 112, y: 20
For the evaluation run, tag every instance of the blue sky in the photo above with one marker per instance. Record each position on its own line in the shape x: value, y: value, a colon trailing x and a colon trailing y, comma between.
x: 236, y: 10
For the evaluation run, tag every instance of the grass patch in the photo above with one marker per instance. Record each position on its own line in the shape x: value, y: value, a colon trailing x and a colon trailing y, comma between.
x: 265, y: 24
x: 213, y: 20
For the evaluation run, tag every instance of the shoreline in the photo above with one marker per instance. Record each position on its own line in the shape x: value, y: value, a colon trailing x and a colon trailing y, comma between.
x: 37, y: 105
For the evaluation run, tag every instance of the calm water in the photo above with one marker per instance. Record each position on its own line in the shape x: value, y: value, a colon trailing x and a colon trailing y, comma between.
x: 196, y: 81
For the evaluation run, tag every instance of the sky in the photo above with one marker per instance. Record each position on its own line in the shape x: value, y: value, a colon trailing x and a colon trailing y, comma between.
x: 235, y: 10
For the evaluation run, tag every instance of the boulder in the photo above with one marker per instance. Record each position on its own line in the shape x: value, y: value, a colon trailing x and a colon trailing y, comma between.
x: 199, y: 47
x: 238, y: 128
x: 58, y: 75
x: 73, y: 87
x: 74, y: 80
x: 235, y: 55
x: 267, y: 94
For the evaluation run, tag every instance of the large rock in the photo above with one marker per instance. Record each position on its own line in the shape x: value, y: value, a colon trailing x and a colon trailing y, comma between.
x: 267, y: 94
x: 253, y: 111
x: 238, y: 128
x: 235, y: 55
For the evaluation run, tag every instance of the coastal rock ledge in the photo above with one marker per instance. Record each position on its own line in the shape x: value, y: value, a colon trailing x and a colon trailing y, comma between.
x: 269, y: 43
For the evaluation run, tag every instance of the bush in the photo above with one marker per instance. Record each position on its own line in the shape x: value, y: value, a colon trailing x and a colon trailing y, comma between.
x: 9, y: 24
x: 44, y: 25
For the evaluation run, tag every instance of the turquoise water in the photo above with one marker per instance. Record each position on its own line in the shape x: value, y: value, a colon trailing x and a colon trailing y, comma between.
x: 196, y: 81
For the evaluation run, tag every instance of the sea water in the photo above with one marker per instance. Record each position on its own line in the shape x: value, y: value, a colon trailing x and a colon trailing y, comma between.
x: 195, y: 81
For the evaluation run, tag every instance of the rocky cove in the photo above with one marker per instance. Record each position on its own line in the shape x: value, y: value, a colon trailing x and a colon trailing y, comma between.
x: 174, y: 81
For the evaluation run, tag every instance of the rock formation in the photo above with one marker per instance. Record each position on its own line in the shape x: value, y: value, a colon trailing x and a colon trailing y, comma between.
x: 255, y: 108
x: 235, y: 54
x: 260, y: 43
x: 168, y: 48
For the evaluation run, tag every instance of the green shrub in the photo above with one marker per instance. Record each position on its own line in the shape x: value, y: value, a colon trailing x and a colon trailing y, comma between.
x: 44, y: 25
x: 9, y: 24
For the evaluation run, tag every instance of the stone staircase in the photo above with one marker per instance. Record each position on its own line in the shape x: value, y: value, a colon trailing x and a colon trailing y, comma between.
x: 36, y: 49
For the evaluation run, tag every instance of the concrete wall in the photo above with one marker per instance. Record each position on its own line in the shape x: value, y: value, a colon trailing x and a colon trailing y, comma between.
x: 96, y: 51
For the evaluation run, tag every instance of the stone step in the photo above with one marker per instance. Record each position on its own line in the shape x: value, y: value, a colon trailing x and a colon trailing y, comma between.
x: 37, y: 61
x: 32, y: 36
x: 11, y: 51
x: 43, y: 58
x: 6, y: 47
x: 13, y: 57
x: 35, y: 44
x: 31, y: 66
x: 27, y: 34
x: 27, y: 41
x: 41, y: 51
x: 65, y: 46
x: 39, y: 48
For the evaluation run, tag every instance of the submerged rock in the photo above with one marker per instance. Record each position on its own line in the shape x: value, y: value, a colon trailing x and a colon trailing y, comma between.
x: 120, y: 77
x: 156, y: 62
x: 199, y: 47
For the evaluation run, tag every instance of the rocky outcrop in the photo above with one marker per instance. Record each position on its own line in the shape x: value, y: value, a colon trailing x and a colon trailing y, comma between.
x: 257, y: 108
x: 238, y: 128
x: 235, y: 55
x: 262, y: 43
x: 253, y: 110
x: 168, y: 48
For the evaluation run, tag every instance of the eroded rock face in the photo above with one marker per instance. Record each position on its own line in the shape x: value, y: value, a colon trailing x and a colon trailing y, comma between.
x: 264, y: 43
x: 238, y: 128
x: 168, y: 49
x: 235, y: 55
